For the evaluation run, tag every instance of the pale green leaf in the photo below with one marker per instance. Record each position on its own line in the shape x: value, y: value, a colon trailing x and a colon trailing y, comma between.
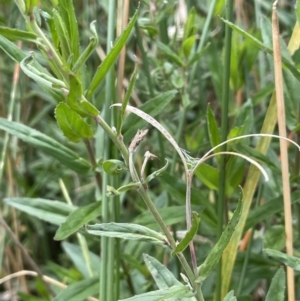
x: 189, y: 235
x: 291, y: 261
x: 17, y: 35
x: 80, y: 290
x: 47, y: 144
x: 53, y: 212
x: 276, y: 291
x: 77, y: 219
x: 161, y: 275
x: 110, y: 58
x: 163, y: 294
x: 127, y: 231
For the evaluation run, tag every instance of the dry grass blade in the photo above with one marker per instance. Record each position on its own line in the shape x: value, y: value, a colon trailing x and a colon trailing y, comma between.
x: 283, y: 149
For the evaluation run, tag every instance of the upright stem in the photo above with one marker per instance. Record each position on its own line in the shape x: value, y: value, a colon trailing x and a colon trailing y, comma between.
x: 224, y: 129
x: 107, y: 251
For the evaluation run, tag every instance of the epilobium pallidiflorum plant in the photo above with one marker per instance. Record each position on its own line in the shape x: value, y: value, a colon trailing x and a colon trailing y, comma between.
x: 55, y: 33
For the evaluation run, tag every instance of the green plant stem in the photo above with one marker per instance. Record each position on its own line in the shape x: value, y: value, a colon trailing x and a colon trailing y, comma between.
x: 51, y: 51
x: 224, y: 131
x: 121, y: 146
x: 107, y: 244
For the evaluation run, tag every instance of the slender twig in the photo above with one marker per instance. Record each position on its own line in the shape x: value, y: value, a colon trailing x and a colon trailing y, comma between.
x: 283, y: 149
x: 27, y: 257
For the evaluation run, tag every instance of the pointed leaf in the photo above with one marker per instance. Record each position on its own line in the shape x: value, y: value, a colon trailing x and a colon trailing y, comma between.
x: 277, y: 288
x: 62, y: 34
x: 53, y: 212
x: 161, y: 275
x: 291, y: 261
x: 163, y: 294
x: 67, y: 12
x: 71, y: 124
x: 189, y: 235
x: 215, y: 254
x: 47, y: 144
x: 77, y: 219
x: 110, y: 58
x: 17, y: 35
x: 80, y: 290
x: 127, y: 231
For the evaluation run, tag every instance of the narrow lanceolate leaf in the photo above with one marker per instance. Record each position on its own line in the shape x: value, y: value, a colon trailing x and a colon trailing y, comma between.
x: 41, y: 78
x: 71, y: 124
x: 67, y: 11
x: 64, y: 41
x: 189, y: 235
x: 50, y: 146
x: 215, y: 254
x: 110, y: 58
x: 161, y: 275
x: 163, y: 294
x: 285, y: 60
x: 80, y: 290
x: 291, y: 261
x: 77, y: 219
x: 17, y: 35
x: 277, y: 288
x: 54, y: 212
x: 127, y: 231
